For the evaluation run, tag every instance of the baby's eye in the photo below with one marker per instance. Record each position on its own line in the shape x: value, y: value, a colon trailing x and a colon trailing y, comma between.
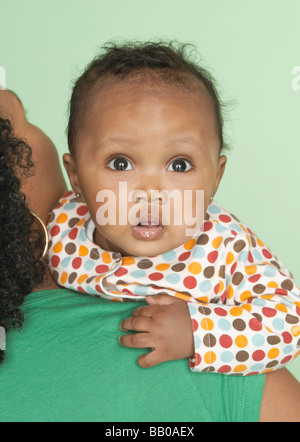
x: 120, y: 163
x: 180, y: 165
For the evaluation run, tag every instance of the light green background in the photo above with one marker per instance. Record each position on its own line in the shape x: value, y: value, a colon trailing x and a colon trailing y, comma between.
x: 251, y: 48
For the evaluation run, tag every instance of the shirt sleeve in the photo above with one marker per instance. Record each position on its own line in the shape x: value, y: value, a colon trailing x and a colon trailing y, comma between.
x: 253, y: 327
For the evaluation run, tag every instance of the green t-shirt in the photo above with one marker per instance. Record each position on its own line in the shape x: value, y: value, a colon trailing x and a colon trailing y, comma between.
x: 66, y: 364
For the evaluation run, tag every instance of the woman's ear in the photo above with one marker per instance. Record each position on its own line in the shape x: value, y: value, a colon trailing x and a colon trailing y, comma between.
x: 70, y: 167
x: 220, y: 171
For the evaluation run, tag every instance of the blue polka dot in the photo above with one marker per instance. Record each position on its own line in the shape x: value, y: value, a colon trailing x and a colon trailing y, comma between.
x: 214, y: 209
x: 141, y: 290
x: 278, y: 324
x: 258, y: 340
x: 220, y: 228
x: 69, y: 206
x: 243, y: 256
x: 227, y: 356
x: 198, y: 252
x: 288, y: 349
x: 89, y: 265
x: 235, y: 227
x: 169, y: 256
x: 192, y: 309
x: 82, y: 236
x: 260, y: 302
x: 224, y: 325
x: 257, y: 255
x: 65, y: 262
x: 205, y: 286
x: 270, y: 271
x: 197, y: 341
x: 257, y: 367
x: 173, y: 278
x: 90, y: 290
x: 138, y: 274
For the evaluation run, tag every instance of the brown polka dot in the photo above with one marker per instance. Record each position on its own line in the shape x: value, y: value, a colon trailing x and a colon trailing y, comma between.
x: 290, y: 319
x: 242, y: 356
x: 70, y: 249
x: 275, y: 263
x: 121, y: 282
x: 209, y: 272
x: 116, y: 256
x: 287, y: 285
x: 145, y: 264
x: 91, y: 279
x: 274, y: 340
x: 222, y: 272
x: 239, y: 324
x: 209, y: 369
x: 237, y: 278
x: 272, y: 364
x: 95, y: 254
x: 202, y: 240
x: 204, y: 310
x: 72, y: 277
x: 253, y: 241
x: 55, y: 275
x: 227, y: 241
x: 209, y: 340
x: 73, y: 222
x: 178, y: 267
x: 239, y: 246
x: 258, y: 317
x: 259, y: 289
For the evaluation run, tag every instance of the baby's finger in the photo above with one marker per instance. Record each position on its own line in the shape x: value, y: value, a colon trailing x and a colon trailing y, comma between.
x: 144, y: 311
x: 137, y: 323
x: 149, y: 360
x: 138, y: 340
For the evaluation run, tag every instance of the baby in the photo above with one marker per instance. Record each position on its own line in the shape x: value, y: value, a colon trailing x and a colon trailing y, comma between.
x: 146, y: 159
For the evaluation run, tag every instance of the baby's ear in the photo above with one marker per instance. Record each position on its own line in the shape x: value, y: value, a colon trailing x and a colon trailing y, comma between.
x: 70, y: 167
x: 220, y: 172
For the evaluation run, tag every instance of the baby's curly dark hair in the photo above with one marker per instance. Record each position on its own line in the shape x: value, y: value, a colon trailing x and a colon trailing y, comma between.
x: 20, y: 242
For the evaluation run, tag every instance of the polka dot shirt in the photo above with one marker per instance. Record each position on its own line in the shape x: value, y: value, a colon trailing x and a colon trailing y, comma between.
x: 243, y: 302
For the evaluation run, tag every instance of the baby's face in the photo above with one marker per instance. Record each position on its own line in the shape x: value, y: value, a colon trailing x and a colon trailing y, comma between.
x: 151, y: 141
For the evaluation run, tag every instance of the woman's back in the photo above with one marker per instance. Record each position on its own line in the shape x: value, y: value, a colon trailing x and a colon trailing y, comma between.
x: 66, y: 365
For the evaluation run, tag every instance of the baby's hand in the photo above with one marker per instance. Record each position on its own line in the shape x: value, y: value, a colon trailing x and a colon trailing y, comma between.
x: 165, y: 326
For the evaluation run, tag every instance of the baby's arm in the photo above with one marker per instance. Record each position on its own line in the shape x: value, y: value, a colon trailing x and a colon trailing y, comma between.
x: 255, y: 327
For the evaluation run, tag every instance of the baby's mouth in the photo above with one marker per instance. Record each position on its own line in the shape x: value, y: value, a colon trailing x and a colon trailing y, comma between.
x: 148, y: 229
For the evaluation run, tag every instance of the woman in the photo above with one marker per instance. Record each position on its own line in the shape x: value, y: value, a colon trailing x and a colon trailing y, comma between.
x: 66, y: 364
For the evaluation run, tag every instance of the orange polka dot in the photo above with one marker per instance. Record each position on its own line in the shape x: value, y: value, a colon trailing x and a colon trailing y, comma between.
x: 236, y: 311
x: 247, y: 307
x: 229, y: 258
x: 82, y: 278
x: 268, y: 297
x: 250, y: 270
x: 207, y: 324
x: 259, y: 242
x: 296, y: 331
x: 83, y: 251
x: 190, y: 244
x: 221, y: 286
x: 273, y: 353
x: 64, y: 277
x: 241, y: 341
x: 106, y: 257
x: 58, y: 247
x: 128, y: 260
x: 230, y: 292
x: 99, y: 278
x: 217, y: 242
x: 246, y: 295
x: 62, y: 218
x: 281, y: 308
x: 240, y: 368
x: 210, y: 357
x: 162, y: 267
x: 195, y: 268
x: 203, y: 299
x: 182, y: 296
x: 82, y: 221
x: 273, y: 285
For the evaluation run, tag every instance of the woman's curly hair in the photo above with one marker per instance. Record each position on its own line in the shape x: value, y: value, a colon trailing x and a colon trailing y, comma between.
x: 20, y: 242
